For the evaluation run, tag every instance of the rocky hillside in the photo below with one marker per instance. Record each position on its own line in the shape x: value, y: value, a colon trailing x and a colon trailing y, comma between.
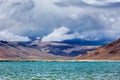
x: 107, y: 52
x: 16, y: 51
x: 40, y: 50
x: 62, y: 49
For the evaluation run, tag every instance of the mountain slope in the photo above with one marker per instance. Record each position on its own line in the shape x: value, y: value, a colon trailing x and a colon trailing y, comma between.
x: 16, y: 51
x: 40, y: 50
x: 62, y: 49
x: 107, y: 52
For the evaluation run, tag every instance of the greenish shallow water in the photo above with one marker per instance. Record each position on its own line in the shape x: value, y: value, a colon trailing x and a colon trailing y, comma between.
x: 59, y: 70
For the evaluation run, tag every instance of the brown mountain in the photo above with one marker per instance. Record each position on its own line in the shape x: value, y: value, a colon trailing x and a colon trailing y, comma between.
x: 62, y: 49
x: 107, y: 52
x: 16, y: 51
x: 40, y: 50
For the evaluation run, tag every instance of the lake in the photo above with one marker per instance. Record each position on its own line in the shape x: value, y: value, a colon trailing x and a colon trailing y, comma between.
x: 59, y: 70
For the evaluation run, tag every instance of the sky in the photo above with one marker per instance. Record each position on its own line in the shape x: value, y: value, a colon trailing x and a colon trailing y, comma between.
x: 59, y: 20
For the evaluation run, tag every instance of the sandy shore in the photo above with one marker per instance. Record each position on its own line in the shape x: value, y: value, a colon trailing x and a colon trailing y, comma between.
x: 39, y: 60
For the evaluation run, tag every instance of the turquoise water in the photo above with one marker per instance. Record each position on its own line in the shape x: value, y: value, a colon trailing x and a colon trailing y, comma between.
x: 59, y: 70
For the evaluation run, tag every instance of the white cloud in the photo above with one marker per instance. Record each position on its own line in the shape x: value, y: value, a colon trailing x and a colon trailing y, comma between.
x: 100, y: 2
x: 58, y: 34
x: 90, y: 3
x: 16, y: 16
x: 7, y: 36
x: 40, y: 17
x: 112, y: 21
x: 93, y: 2
x: 62, y: 33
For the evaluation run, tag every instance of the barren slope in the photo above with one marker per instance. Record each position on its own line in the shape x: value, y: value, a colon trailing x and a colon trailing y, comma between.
x: 106, y: 52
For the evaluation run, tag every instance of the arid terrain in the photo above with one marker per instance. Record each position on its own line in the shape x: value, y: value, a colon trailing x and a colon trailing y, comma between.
x: 107, y: 52
x: 37, y: 50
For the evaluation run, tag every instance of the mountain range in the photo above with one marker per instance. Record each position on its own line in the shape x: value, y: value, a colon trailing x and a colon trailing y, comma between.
x: 37, y: 50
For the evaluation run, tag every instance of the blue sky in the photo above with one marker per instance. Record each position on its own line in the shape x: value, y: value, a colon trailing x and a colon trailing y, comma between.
x: 59, y: 20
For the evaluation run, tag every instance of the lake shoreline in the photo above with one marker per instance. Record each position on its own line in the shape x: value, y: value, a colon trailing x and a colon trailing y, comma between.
x: 59, y: 60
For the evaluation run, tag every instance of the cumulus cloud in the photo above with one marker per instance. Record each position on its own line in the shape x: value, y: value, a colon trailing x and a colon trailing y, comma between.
x: 58, y: 34
x: 29, y: 16
x: 101, y: 21
x: 7, y: 36
x: 86, y: 19
x: 16, y: 16
x: 63, y: 33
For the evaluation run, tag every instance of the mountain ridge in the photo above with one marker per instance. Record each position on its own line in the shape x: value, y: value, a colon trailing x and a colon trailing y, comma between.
x: 37, y: 50
x: 107, y: 52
